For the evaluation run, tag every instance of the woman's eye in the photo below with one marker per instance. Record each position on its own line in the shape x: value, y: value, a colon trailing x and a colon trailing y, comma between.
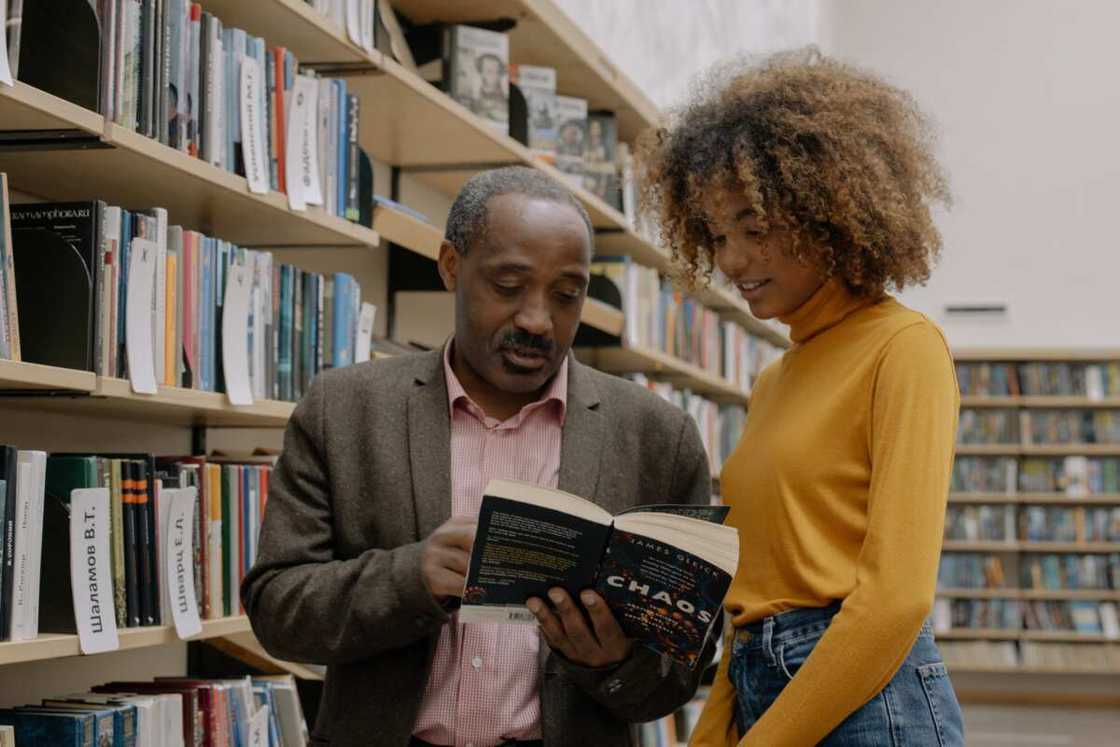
x: 718, y: 241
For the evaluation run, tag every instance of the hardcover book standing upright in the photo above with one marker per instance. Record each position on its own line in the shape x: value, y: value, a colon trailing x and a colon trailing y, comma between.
x: 663, y: 570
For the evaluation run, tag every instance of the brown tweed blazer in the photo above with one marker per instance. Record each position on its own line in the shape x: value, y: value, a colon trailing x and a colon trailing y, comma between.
x: 365, y: 475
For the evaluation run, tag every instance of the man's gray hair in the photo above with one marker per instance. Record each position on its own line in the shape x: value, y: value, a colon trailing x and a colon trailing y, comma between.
x: 467, y: 221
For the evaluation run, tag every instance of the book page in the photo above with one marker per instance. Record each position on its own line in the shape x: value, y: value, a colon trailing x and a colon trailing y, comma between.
x: 714, y: 514
x: 522, y: 549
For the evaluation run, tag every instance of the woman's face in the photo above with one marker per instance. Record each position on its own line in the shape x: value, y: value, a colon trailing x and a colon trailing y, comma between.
x: 772, y: 282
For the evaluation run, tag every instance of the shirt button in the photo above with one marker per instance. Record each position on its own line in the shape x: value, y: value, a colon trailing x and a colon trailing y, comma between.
x: 476, y: 662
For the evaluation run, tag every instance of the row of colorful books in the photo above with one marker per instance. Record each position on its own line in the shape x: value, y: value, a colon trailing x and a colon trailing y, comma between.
x: 1041, y: 572
x: 995, y: 426
x: 156, y: 303
x: 1093, y: 380
x: 661, y: 318
x: 720, y: 425
x: 172, y: 71
x: 36, y: 514
x: 1074, y: 476
x: 167, y: 712
x: 1079, y: 616
x: 1033, y: 523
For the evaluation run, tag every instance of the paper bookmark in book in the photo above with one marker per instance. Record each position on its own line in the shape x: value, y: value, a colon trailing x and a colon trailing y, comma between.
x: 235, y: 336
x: 179, y: 555
x: 354, y: 21
x: 252, y: 149
x: 365, y: 332
x: 91, y: 574
x: 258, y: 727
x: 5, y: 71
x: 138, y: 319
x: 302, y: 154
x: 367, y: 21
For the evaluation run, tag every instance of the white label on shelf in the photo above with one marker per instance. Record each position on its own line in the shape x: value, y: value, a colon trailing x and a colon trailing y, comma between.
x: 365, y: 333
x: 354, y: 21
x: 235, y: 336
x: 252, y: 149
x: 302, y: 167
x: 258, y: 728
x: 5, y: 71
x: 91, y: 573
x: 367, y: 25
x: 179, y: 554
x: 138, y: 309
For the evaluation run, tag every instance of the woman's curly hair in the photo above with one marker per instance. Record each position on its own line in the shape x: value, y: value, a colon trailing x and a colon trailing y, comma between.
x: 832, y: 154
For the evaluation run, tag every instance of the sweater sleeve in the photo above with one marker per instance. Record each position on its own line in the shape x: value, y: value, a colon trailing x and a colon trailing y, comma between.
x: 716, y: 727
x: 914, y: 403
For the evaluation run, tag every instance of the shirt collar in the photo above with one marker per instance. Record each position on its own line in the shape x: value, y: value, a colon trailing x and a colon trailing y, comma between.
x: 557, y: 392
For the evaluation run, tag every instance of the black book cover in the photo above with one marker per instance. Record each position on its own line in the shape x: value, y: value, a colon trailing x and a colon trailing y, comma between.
x: 65, y: 473
x: 55, y: 254
x: 131, y: 542
x: 148, y: 65
x: 662, y: 570
x: 353, y: 211
x: 47, y: 28
x: 145, y: 525
x: 365, y: 189
x: 8, y: 459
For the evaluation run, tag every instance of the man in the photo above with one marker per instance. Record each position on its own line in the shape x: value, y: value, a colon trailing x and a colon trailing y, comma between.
x: 373, y: 503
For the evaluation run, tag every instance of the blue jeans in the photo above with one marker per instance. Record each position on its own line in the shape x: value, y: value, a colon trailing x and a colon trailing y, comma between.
x: 917, y: 707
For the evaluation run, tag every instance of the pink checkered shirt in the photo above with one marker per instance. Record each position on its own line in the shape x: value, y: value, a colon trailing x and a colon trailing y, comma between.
x: 484, y: 685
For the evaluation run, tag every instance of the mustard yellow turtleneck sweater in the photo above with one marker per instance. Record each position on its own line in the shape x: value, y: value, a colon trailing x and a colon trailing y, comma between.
x: 838, y: 489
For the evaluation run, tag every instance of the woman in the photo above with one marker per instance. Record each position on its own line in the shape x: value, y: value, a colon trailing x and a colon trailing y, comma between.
x: 809, y: 185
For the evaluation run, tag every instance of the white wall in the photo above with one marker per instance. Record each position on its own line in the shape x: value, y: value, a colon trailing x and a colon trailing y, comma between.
x: 1028, y: 108
x: 661, y: 44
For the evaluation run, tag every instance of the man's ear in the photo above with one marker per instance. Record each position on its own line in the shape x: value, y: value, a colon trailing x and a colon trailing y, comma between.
x: 448, y: 263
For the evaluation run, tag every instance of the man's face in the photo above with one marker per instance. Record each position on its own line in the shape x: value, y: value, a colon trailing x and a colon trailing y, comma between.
x: 519, y: 291
x: 491, y: 74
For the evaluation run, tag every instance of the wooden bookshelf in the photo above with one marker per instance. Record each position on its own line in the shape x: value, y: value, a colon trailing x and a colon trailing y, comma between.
x: 1033, y: 547
x: 294, y: 24
x: 1046, y: 499
x: 603, y: 317
x: 23, y: 107
x: 243, y: 645
x: 30, y: 378
x: 664, y: 366
x: 1042, y: 450
x: 997, y: 634
x: 1023, y: 355
x: 1065, y: 636
x: 1102, y: 595
x: 968, y: 634
x: 407, y: 230
x: 57, y: 646
x: 544, y: 35
x: 1070, y: 671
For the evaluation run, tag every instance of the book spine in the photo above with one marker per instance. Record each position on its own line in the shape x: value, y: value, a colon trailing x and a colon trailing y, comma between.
x: 353, y: 207
x: 281, y: 115
x: 194, y: 81
x: 132, y: 542
x: 8, y: 479
x: 118, y: 546
x: 8, y: 268
x: 342, y: 153
x: 145, y: 558
x: 163, y: 57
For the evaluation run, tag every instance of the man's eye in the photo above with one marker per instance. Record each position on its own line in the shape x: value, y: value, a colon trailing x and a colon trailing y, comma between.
x: 507, y: 290
x: 568, y: 296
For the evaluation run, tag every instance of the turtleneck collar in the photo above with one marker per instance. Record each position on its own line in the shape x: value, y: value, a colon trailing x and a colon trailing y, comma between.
x: 830, y: 305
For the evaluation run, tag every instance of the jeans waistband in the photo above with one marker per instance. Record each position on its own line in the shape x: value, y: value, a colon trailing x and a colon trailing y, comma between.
x: 791, y: 619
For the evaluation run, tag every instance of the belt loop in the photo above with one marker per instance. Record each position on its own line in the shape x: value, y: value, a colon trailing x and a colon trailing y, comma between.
x: 768, y: 641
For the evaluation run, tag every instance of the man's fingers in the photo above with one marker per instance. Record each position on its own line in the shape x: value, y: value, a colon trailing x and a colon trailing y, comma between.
x: 607, y: 629
x: 447, y: 583
x: 575, y: 627
x: 460, y: 534
x: 454, y: 559
x: 551, y: 628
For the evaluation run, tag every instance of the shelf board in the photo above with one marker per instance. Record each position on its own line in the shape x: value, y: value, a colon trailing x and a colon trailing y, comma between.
x: 1107, y: 499
x: 968, y: 634
x: 23, y: 107
x: 245, y: 647
x: 1033, y: 547
x: 1038, y: 449
x: 603, y: 317
x: 57, y: 646
x: 32, y: 377
x: 294, y: 24
x: 664, y: 366
x: 1075, y: 671
x: 137, y: 172
x: 408, y: 231
x: 1065, y: 636
x: 544, y: 35
x: 1038, y: 401
x: 1032, y: 594
x: 1009, y: 355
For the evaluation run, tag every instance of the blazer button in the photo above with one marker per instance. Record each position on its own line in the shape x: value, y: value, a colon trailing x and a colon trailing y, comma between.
x: 614, y: 686
x: 421, y: 622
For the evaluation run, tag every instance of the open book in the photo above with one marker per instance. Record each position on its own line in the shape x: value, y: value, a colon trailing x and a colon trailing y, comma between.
x: 663, y: 570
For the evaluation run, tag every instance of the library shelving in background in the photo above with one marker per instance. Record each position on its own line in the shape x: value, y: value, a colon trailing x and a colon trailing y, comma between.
x: 57, y: 150
x: 1076, y: 491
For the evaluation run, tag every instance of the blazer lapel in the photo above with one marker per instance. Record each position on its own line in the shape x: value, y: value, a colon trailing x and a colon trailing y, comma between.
x: 581, y: 446
x: 429, y: 448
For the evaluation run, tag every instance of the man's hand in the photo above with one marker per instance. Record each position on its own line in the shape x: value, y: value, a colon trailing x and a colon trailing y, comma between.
x: 445, y: 557
x: 566, y: 629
